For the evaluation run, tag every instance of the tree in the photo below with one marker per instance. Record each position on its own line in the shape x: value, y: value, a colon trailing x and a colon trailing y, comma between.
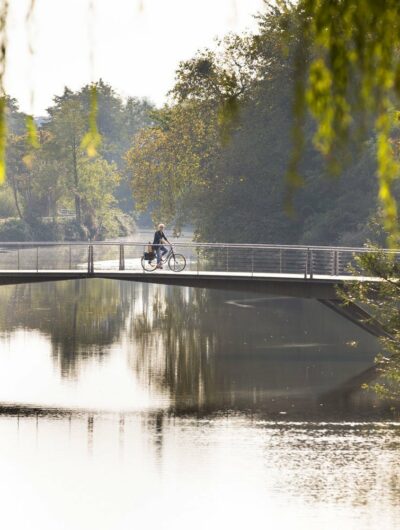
x: 97, y: 184
x: 170, y: 160
x: 186, y: 168
x: 67, y: 128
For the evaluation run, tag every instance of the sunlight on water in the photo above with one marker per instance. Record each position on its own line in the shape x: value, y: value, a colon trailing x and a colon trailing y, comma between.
x: 163, y: 472
x: 28, y: 378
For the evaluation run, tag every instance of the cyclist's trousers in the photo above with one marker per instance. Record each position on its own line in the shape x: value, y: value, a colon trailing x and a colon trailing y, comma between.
x: 160, y: 251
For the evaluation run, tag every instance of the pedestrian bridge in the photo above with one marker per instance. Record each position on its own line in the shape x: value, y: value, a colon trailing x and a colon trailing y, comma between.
x: 281, y: 270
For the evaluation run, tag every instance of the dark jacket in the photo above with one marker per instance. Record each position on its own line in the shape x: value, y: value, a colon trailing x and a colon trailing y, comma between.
x: 158, y: 237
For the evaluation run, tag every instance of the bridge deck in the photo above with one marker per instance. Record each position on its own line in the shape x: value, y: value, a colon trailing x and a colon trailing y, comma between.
x: 296, y: 285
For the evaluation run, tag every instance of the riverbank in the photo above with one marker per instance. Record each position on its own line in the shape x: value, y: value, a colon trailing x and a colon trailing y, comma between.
x: 64, y: 229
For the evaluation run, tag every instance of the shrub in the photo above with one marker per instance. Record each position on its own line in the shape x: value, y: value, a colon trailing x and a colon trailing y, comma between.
x: 7, y: 204
x: 15, y: 230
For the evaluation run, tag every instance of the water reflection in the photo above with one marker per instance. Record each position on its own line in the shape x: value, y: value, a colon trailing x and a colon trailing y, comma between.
x: 125, y: 346
x: 226, y: 471
x: 127, y: 405
x: 82, y: 319
x: 215, y: 352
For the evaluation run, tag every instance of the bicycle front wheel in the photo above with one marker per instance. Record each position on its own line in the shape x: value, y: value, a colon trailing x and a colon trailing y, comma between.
x: 177, y: 262
x: 149, y: 266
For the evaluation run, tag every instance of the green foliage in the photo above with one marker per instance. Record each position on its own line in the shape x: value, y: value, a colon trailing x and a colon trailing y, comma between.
x: 3, y: 138
x: 92, y: 139
x: 115, y: 225
x: 333, y: 59
x: 170, y: 160
x: 382, y: 300
x: 97, y: 183
x: 7, y: 204
x: 49, y: 169
x: 353, y: 80
x: 15, y: 230
x: 32, y: 132
x: 3, y: 98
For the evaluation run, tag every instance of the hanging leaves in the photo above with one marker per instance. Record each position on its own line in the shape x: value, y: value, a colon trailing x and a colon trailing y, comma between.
x: 352, y: 80
x: 32, y: 132
x: 92, y: 139
x: 3, y: 139
x: 3, y: 103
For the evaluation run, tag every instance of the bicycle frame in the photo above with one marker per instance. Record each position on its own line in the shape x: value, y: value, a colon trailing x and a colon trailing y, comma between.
x: 168, y: 254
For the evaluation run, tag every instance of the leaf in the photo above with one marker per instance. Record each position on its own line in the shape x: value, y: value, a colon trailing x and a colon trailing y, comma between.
x: 31, y: 129
x: 92, y: 139
x: 3, y: 139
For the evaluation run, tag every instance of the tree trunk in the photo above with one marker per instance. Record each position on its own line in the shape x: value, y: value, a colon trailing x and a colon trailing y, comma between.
x: 76, y: 182
x: 16, y: 200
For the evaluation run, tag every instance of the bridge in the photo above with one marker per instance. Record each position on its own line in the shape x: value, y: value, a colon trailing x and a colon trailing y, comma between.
x: 282, y: 270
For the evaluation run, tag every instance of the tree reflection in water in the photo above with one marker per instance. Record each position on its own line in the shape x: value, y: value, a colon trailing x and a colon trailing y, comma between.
x: 174, y: 343
x: 202, y: 349
x: 82, y: 318
x: 220, y: 350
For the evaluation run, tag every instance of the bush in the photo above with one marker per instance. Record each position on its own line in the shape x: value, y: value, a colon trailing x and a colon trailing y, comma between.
x: 7, y: 204
x: 15, y: 230
x: 74, y: 231
x: 46, y: 231
x: 118, y: 225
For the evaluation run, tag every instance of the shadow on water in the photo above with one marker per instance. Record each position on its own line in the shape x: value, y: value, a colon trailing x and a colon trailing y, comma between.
x: 206, y: 352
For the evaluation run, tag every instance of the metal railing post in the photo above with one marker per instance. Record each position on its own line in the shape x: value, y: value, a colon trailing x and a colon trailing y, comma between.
x: 280, y: 261
x: 307, y: 261
x: 90, y: 260
x: 227, y: 259
x: 197, y: 260
x: 252, y: 261
x: 37, y: 259
x: 70, y: 258
x: 18, y: 258
x: 335, y: 263
x: 311, y: 263
x: 121, y: 258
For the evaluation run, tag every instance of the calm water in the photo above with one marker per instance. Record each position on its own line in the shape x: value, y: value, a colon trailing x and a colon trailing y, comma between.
x: 135, y: 406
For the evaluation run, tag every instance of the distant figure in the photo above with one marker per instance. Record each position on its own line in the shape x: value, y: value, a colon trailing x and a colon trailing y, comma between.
x: 159, y: 239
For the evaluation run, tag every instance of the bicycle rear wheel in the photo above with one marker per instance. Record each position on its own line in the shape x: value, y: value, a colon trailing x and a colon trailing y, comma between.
x: 149, y: 266
x: 177, y: 262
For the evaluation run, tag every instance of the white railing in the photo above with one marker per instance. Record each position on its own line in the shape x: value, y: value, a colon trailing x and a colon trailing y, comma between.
x: 91, y: 257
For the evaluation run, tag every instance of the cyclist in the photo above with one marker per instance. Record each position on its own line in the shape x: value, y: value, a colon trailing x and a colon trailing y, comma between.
x: 159, y: 239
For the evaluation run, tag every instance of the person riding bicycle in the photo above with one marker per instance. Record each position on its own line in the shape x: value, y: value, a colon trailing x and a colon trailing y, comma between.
x: 159, y: 239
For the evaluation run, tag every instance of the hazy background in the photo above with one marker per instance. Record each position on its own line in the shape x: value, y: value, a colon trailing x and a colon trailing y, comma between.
x: 137, y: 43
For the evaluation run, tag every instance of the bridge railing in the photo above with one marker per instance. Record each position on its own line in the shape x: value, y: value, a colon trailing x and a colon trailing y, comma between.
x: 200, y: 257
x: 307, y: 261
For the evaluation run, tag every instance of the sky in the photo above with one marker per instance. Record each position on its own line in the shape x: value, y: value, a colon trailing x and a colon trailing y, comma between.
x: 135, y: 45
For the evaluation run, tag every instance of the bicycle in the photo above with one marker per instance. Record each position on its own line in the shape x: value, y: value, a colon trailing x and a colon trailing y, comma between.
x: 176, y: 262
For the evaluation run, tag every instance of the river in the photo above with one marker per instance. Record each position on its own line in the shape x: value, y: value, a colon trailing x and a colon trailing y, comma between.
x: 141, y: 406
